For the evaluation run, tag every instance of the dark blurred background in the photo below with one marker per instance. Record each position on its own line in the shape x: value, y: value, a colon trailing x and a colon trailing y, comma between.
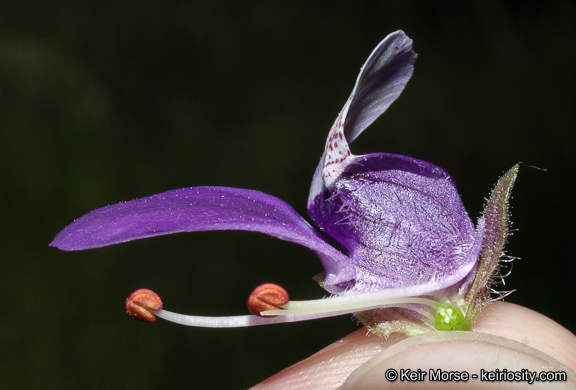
x: 105, y: 102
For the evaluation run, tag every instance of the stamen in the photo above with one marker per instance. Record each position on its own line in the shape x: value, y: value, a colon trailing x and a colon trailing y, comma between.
x: 267, y: 297
x: 141, y: 302
x: 268, y: 303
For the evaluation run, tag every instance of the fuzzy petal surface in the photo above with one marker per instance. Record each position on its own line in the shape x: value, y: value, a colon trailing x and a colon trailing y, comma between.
x: 401, y: 221
x: 200, y: 209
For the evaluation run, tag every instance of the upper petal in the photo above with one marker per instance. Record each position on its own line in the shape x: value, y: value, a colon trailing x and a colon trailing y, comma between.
x: 381, y: 80
x: 199, y: 209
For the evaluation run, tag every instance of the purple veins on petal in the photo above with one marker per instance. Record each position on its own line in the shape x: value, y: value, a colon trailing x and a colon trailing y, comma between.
x: 400, y: 219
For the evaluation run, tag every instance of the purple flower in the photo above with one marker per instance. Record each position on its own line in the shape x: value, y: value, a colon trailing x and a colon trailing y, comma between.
x: 409, y: 257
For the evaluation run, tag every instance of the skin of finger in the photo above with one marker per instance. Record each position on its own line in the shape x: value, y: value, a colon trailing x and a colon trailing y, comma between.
x: 531, y: 328
x: 330, y: 367
x: 460, y: 355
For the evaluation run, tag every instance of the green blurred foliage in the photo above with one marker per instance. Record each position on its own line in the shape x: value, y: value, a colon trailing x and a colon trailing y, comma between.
x: 101, y: 103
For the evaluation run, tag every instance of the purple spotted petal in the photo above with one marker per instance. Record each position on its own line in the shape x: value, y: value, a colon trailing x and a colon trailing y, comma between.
x: 401, y: 221
x: 198, y: 209
x: 381, y: 80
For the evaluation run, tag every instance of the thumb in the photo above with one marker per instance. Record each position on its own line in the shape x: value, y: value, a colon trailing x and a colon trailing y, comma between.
x: 500, y: 323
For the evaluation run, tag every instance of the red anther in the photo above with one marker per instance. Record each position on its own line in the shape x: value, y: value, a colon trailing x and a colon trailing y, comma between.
x: 140, y: 302
x: 268, y: 296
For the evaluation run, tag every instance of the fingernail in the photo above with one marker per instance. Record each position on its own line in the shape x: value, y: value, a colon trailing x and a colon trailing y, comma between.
x: 450, y: 360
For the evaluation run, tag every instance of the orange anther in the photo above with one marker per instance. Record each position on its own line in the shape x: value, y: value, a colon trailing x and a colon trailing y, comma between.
x: 140, y: 302
x: 268, y: 296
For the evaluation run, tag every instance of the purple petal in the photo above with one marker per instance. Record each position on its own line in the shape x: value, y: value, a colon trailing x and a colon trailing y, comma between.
x: 198, y: 209
x: 381, y: 80
x: 400, y: 219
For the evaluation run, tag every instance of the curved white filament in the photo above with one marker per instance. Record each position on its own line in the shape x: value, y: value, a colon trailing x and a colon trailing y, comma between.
x: 232, y: 322
x: 296, y: 311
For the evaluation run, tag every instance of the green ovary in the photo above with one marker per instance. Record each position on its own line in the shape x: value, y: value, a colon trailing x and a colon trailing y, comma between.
x: 449, y: 317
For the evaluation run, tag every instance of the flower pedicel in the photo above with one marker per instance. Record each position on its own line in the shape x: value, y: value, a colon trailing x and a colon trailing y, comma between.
x: 409, y: 258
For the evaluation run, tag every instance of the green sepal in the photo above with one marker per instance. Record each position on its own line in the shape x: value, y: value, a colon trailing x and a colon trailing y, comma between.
x: 496, y: 216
